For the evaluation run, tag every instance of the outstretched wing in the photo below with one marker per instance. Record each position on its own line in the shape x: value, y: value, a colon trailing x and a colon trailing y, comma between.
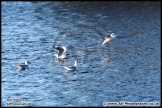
x: 60, y: 50
x: 69, y: 68
x: 113, y: 35
x: 64, y: 48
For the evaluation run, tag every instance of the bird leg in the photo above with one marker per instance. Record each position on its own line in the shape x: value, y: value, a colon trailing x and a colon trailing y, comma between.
x: 108, y: 44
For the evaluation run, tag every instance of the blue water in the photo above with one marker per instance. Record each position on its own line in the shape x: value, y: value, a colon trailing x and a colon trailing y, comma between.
x: 128, y: 70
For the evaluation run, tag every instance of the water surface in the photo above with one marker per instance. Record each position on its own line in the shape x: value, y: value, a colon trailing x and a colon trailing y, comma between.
x: 128, y: 70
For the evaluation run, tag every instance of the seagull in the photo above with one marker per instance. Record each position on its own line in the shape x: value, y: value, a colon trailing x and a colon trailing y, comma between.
x: 23, y: 66
x: 71, y: 68
x: 108, y: 38
x: 61, y: 52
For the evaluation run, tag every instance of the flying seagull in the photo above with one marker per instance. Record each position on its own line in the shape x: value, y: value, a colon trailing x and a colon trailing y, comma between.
x: 108, y: 38
x: 61, y: 52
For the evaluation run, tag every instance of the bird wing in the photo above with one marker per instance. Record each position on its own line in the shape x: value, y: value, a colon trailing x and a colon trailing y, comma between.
x: 106, y: 40
x: 103, y: 42
x: 64, y: 48
x: 69, y: 67
x: 22, y: 66
x: 60, y: 51
x: 113, y: 35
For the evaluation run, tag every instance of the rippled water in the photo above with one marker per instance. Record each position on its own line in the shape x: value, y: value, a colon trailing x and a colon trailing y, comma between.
x: 128, y: 70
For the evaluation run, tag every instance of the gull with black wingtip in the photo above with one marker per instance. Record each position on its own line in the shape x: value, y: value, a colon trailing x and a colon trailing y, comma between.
x: 61, y: 52
x: 108, y: 38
